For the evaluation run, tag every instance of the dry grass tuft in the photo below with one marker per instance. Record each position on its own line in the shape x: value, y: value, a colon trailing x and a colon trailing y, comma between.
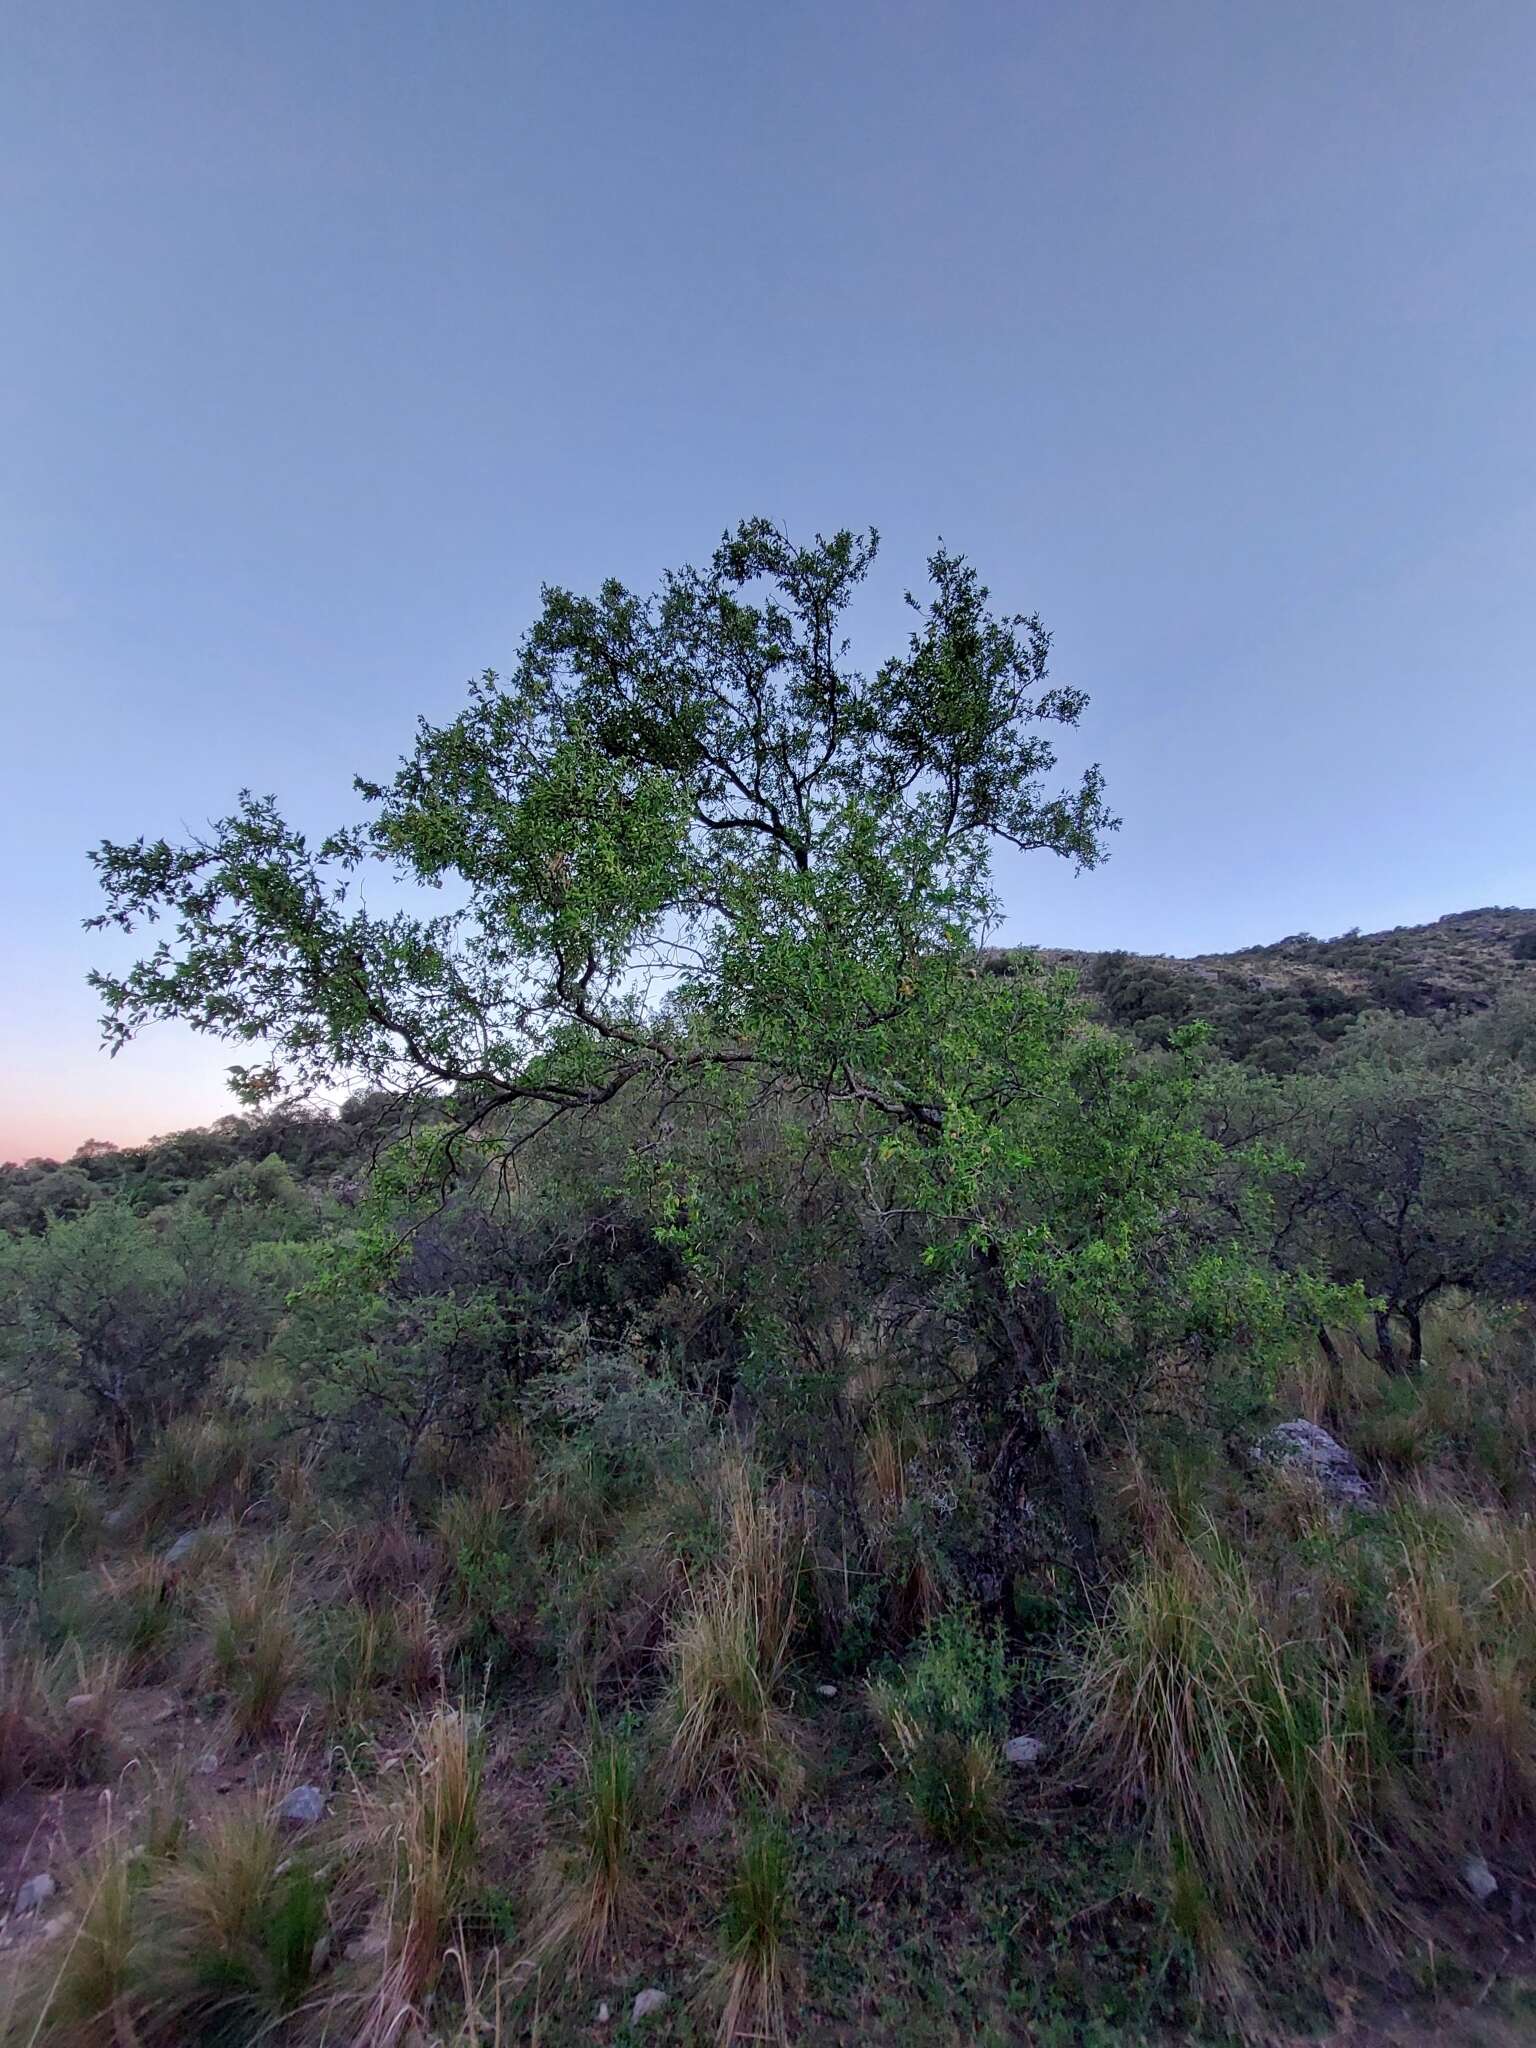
x: 258, y: 1643
x: 585, y: 1887
x: 78, y: 1989
x: 728, y: 1651
x: 55, y: 1716
x: 423, y: 1831
x: 1261, y: 1754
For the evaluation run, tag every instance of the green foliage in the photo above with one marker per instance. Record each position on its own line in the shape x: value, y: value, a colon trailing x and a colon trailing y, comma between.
x: 945, y: 1715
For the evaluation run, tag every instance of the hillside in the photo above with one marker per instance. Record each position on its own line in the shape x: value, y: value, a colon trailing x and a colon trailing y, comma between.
x: 1279, y: 1005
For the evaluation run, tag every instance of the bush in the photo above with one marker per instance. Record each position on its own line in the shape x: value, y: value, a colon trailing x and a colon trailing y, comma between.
x: 945, y: 1716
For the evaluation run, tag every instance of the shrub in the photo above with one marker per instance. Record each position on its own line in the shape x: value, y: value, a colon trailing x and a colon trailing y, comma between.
x: 944, y: 1717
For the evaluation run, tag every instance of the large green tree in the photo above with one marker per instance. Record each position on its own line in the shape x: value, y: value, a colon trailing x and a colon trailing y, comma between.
x: 695, y: 796
x: 688, y: 843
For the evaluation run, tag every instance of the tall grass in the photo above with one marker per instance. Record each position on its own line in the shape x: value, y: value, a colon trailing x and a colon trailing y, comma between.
x: 1261, y: 1754
x: 258, y: 1642
x: 752, y: 1978
x: 1462, y: 1622
x: 235, y: 1931
x: 55, y: 1716
x: 423, y: 1833
x: 585, y: 1888
x: 78, y: 1990
x: 729, y: 1648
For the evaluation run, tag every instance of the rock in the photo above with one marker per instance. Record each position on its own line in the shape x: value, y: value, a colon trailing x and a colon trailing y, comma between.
x: 828, y: 1692
x: 80, y: 1703
x: 1023, y: 1749
x: 303, y: 1806
x: 1312, y: 1450
x: 183, y: 1547
x: 208, y: 1763
x: 59, y: 1924
x: 603, y: 2014
x: 35, y: 1892
x: 116, y: 1518
x: 1479, y: 1879
x: 647, y: 2002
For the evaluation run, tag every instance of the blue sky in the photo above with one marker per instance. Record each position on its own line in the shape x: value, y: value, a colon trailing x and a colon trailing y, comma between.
x: 331, y: 330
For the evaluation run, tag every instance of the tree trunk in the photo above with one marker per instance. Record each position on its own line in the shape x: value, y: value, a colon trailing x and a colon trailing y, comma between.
x: 1386, y: 1353
x: 1330, y: 1351
x: 1030, y: 1335
x: 1415, y: 1324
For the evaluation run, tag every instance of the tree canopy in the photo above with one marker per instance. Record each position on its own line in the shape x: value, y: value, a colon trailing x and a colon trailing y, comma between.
x: 688, y: 801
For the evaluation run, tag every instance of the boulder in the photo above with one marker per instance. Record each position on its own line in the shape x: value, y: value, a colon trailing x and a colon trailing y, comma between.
x: 1307, y: 1448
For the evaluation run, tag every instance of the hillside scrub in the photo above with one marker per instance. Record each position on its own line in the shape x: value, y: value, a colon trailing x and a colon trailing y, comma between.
x: 739, y: 1364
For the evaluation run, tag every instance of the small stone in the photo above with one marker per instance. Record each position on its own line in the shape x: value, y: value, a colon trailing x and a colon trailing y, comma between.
x: 208, y: 1762
x: 1480, y: 1880
x: 828, y: 1692
x: 183, y: 1547
x: 1023, y: 1749
x: 59, y: 1924
x: 35, y: 1892
x: 603, y: 2014
x: 304, y: 1805
x: 115, y: 1518
x: 80, y: 1703
x: 647, y: 2002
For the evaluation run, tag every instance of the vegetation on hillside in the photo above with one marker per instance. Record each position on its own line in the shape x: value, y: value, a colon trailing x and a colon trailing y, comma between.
x: 742, y: 1465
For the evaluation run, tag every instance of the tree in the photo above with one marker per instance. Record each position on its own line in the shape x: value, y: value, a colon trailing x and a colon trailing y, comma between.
x: 689, y: 842
x: 129, y: 1319
x: 686, y: 796
x: 1417, y: 1151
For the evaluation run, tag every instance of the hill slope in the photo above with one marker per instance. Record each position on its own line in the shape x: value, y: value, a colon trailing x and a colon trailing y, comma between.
x: 1279, y: 1005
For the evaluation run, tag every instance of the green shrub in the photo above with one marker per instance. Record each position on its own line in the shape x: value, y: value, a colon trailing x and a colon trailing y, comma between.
x: 945, y: 1716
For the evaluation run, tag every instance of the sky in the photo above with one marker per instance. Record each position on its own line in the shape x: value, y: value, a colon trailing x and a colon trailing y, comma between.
x: 332, y: 330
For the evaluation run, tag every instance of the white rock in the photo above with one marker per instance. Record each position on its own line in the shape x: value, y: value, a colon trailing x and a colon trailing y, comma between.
x: 828, y: 1692
x: 1480, y: 1880
x: 208, y: 1762
x: 647, y: 2002
x: 1314, y: 1451
x: 59, y: 1924
x: 603, y: 2014
x: 1024, y: 1749
x: 80, y: 1703
x: 303, y: 1806
x: 183, y: 1547
x: 35, y: 1892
